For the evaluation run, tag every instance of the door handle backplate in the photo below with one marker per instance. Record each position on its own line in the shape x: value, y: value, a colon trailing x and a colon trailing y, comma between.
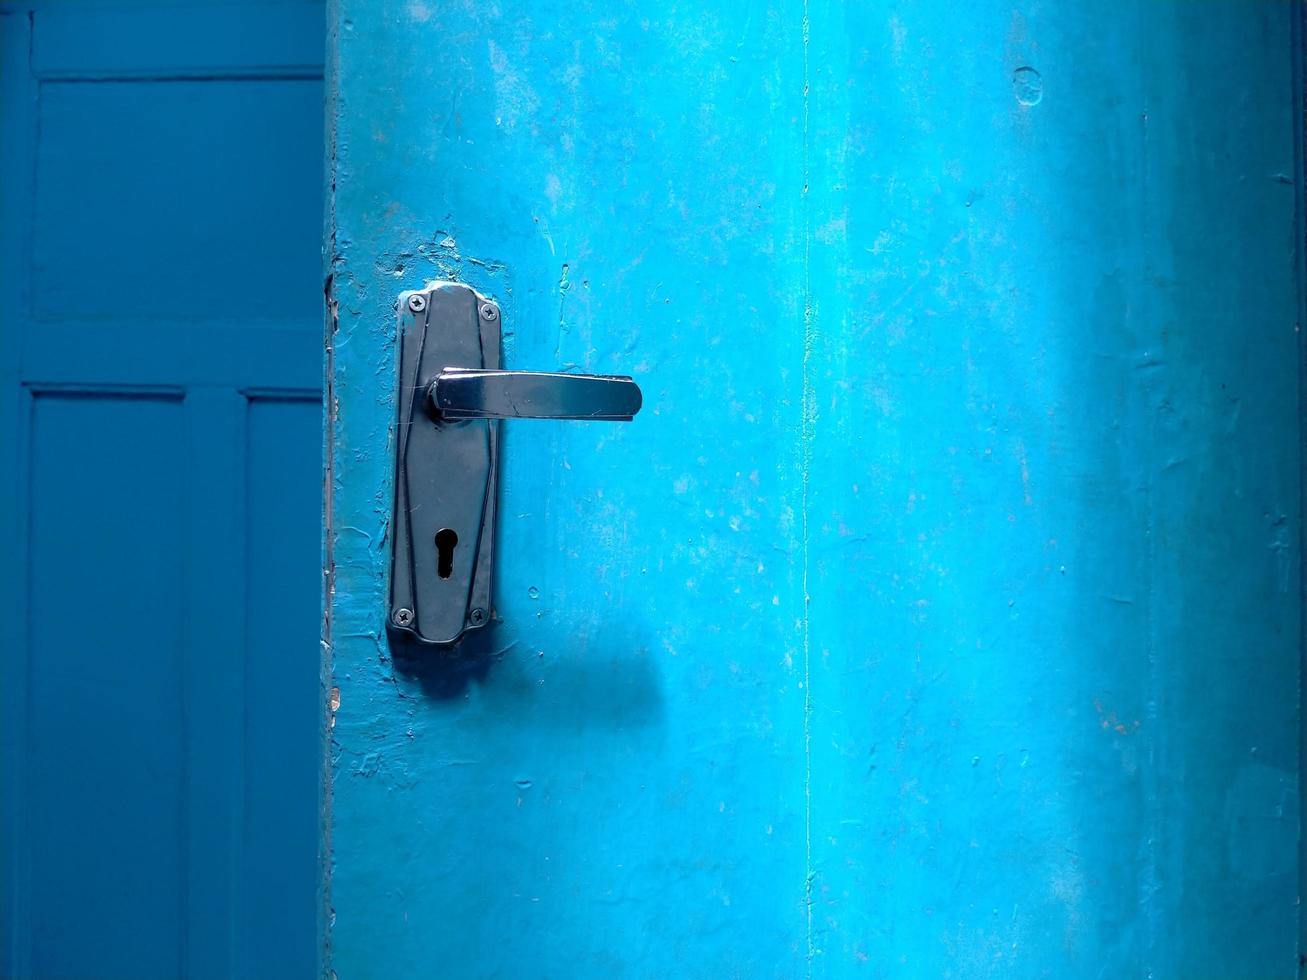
x: 452, y: 391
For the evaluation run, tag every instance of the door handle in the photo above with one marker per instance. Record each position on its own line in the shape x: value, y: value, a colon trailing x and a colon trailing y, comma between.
x: 452, y: 393
x: 472, y: 393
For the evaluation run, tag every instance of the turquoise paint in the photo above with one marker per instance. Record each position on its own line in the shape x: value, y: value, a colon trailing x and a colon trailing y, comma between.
x: 940, y: 615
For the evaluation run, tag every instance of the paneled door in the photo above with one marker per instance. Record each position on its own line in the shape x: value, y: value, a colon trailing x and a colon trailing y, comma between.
x: 940, y: 614
x: 160, y: 416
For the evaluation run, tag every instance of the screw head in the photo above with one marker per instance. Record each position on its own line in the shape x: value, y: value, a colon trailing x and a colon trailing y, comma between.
x: 488, y: 311
x: 402, y: 617
x: 477, y: 616
x: 417, y: 302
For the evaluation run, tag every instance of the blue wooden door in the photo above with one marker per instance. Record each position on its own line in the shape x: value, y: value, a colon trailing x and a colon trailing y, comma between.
x: 160, y: 422
x: 940, y: 615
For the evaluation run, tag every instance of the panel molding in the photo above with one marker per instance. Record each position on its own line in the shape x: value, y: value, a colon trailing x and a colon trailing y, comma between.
x: 279, y: 357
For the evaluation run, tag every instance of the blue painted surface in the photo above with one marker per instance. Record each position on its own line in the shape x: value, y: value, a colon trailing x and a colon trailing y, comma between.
x: 160, y: 418
x: 940, y: 615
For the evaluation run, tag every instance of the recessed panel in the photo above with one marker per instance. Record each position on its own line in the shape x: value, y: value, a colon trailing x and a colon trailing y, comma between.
x: 105, y: 734
x: 283, y: 694
x: 190, y: 201
x: 231, y: 37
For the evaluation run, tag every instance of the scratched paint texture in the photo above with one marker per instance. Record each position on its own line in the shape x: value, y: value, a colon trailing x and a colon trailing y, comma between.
x: 940, y: 614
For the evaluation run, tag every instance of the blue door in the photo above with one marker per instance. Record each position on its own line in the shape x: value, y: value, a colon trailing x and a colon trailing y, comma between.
x: 940, y: 614
x: 160, y: 421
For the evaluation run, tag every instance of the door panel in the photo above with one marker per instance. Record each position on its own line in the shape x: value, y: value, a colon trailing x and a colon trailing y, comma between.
x: 100, y: 778
x: 631, y: 734
x: 164, y: 169
x: 1055, y: 627
x: 280, y: 851
x: 940, y: 613
x: 161, y: 429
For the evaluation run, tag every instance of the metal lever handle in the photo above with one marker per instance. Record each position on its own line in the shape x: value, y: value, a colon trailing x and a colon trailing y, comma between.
x: 443, y: 522
x: 482, y: 393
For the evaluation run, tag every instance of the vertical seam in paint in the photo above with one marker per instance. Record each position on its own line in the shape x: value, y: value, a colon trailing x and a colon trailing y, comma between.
x: 805, y: 465
x: 1153, y: 816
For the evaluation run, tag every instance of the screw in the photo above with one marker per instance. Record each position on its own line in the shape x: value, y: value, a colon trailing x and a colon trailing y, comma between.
x: 403, y: 617
x: 417, y: 302
x: 488, y: 311
x: 477, y: 616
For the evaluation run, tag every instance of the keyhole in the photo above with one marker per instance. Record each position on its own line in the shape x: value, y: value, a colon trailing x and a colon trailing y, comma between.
x: 446, y: 542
